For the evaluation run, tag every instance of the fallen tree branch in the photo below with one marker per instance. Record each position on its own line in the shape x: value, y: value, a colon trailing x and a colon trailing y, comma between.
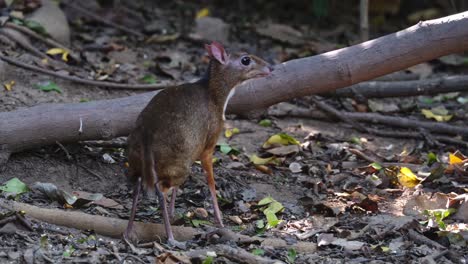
x: 348, y: 119
x: 113, y: 227
x: 378, y: 89
x: 239, y: 255
x: 103, y: 21
x: 23, y: 43
x: 49, y: 41
x: 375, y: 118
x: 113, y: 85
x: 105, y: 119
x: 105, y: 226
x: 294, y: 111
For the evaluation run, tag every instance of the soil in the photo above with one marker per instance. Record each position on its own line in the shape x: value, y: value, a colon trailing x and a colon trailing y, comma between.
x: 321, y: 197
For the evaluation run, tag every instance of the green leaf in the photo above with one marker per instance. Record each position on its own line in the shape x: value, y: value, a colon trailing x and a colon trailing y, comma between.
x: 225, y: 148
x: 84, y: 100
x: 426, y: 100
x: 48, y: 86
x: 431, y: 158
x: 208, y: 260
x: 68, y: 252
x: 260, y: 224
x: 376, y: 166
x: 292, y: 255
x: 198, y: 222
x: 272, y: 207
x: 35, y: 26
x: 266, y: 201
x: 265, y: 123
x: 258, y: 252
x: 275, y: 207
x: 439, y: 215
x: 356, y: 140
x: 15, y: 186
x: 271, y: 218
x: 149, y: 79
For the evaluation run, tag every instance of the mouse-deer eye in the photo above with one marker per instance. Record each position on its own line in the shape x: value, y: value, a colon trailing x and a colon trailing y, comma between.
x: 246, y: 60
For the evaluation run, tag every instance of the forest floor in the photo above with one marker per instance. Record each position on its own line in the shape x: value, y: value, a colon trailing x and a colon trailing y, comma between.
x: 333, y: 202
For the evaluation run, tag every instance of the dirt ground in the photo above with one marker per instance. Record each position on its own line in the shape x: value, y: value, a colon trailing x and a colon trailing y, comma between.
x: 335, y: 208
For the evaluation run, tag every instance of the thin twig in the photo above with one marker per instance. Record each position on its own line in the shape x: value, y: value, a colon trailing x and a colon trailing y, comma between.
x: 90, y: 172
x: 421, y: 239
x: 33, y: 34
x: 337, y: 114
x: 84, y: 81
x: 24, y: 44
x: 104, y: 21
x: 69, y: 157
x: 364, y: 19
x: 48, y: 41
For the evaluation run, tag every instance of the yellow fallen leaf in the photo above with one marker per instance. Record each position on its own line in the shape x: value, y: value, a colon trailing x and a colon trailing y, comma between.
x: 453, y: 159
x: 439, y: 118
x: 203, y: 13
x: 231, y: 132
x: 281, y: 139
x: 262, y: 161
x: 407, y: 178
x: 213, y: 160
x: 9, y: 85
x: 55, y: 51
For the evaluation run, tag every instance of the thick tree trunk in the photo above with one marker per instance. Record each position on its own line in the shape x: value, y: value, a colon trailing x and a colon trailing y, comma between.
x: 46, y: 124
x: 340, y: 68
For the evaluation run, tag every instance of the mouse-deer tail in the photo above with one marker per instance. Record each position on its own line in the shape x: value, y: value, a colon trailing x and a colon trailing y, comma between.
x: 148, y: 169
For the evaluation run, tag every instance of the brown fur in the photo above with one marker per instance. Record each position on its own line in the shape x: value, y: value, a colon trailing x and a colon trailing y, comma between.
x: 181, y: 123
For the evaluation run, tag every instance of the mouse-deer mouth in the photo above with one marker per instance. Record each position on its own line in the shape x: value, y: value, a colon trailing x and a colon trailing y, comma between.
x: 265, y: 71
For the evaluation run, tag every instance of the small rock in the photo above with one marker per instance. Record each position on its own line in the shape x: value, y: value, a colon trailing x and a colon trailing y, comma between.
x: 52, y: 18
x: 8, y: 228
x: 236, y: 219
x: 295, y: 167
x: 235, y: 165
x: 242, y: 206
x: 108, y: 159
x: 124, y: 57
x: 211, y: 28
x: 28, y: 256
x: 13, y: 255
x: 283, y: 33
x: 201, y: 213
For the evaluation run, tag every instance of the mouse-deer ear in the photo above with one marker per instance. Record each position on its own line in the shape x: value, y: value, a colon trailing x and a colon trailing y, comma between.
x: 216, y: 51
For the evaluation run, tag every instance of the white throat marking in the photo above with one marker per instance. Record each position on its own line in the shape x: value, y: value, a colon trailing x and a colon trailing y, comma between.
x: 231, y: 93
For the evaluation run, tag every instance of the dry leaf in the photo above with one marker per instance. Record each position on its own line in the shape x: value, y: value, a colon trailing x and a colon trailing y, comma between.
x: 55, y: 51
x: 407, y: 178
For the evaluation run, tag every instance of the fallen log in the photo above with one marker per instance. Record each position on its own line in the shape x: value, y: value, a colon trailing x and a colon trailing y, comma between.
x: 46, y: 124
x: 378, y: 89
x: 113, y: 227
